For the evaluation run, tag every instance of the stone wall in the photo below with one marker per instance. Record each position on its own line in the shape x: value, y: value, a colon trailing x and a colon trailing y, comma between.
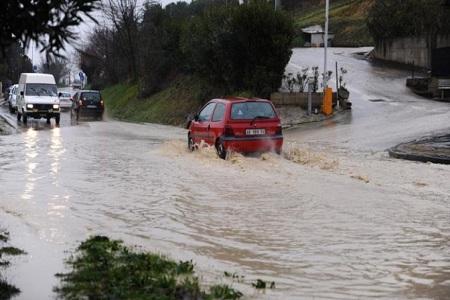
x: 410, y: 49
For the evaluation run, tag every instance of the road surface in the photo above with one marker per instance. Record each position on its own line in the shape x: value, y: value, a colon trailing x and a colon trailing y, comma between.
x: 334, y: 218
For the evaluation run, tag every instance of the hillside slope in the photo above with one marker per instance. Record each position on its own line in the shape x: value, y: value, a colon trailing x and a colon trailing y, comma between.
x: 347, y: 21
x: 170, y: 106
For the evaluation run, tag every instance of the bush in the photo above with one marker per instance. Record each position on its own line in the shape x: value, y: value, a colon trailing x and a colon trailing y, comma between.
x: 240, y: 48
x: 396, y: 18
x: 106, y: 269
x: 232, y: 47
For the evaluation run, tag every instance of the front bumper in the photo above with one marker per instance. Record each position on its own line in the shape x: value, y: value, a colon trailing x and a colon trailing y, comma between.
x: 64, y: 104
x: 42, y: 113
x: 253, y: 144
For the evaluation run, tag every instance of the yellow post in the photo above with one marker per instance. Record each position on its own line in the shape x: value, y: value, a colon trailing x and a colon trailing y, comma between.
x: 327, y: 106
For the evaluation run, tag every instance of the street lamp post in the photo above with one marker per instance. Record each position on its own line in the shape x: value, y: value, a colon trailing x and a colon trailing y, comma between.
x: 325, y: 46
x: 327, y: 107
x: 277, y: 4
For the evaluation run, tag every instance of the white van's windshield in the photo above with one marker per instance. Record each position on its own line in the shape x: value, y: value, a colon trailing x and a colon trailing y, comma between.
x: 40, y: 89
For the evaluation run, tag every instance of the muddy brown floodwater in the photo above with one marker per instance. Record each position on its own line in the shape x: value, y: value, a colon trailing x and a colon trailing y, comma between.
x: 333, y: 218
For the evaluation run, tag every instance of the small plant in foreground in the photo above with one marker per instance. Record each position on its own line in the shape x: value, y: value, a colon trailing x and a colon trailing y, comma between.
x: 7, y: 290
x: 106, y: 269
x: 261, y: 284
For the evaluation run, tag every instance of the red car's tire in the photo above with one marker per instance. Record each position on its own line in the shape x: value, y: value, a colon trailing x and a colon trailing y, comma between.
x: 221, y: 150
x: 191, y: 144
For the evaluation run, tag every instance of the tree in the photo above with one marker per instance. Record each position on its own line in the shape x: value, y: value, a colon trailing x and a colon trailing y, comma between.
x: 12, y: 64
x: 49, y: 23
x: 125, y: 17
x: 398, y: 18
x: 240, y: 48
x: 57, y: 66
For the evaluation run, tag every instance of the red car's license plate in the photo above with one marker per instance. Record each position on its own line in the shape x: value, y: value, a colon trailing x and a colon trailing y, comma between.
x: 255, y: 131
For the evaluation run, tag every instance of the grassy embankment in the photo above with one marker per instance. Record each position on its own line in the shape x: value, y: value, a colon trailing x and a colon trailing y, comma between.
x: 171, y: 106
x: 347, y: 21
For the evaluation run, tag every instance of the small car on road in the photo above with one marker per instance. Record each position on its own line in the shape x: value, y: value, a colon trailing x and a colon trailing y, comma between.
x: 237, y: 124
x: 65, y: 100
x: 87, y: 103
x: 12, y: 98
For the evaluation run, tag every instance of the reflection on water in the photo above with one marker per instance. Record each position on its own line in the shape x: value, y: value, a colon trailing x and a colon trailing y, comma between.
x: 56, y: 150
x: 31, y: 164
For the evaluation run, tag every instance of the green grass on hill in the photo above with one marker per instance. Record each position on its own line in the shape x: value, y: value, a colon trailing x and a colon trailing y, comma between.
x: 171, y: 106
x: 347, y: 21
x: 184, y: 96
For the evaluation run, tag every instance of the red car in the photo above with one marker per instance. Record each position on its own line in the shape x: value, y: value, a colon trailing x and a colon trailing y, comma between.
x: 238, y: 124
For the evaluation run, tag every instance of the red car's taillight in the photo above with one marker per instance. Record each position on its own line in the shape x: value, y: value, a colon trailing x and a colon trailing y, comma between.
x: 279, y: 130
x: 228, y: 131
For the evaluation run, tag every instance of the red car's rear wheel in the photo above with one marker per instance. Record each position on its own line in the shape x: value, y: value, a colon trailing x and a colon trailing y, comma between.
x: 221, y: 150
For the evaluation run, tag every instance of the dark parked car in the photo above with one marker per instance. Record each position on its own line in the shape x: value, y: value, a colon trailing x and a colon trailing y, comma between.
x: 87, y: 103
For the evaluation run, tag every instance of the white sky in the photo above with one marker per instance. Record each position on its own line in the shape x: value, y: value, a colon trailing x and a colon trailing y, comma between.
x: 83, y: 30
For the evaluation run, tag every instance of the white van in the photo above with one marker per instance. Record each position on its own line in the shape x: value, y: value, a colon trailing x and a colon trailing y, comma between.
x: 37, y: 97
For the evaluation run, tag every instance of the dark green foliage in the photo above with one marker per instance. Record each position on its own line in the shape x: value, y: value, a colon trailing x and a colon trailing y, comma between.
x: 57, y: 66
x: 12, y: 63
x: 261, y: 284
x: 232, y: 47
x: 49, y: 23
x: 398, y: 18
x: 161, y: 56
x: 106, y: 269
x: 224, y: 292
x: 240, y: 48
x: 11, y: 251
x: 7, y: 290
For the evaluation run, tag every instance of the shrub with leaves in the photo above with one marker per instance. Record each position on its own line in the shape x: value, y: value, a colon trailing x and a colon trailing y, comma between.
x: 239, y: 48
x: 106, y: 269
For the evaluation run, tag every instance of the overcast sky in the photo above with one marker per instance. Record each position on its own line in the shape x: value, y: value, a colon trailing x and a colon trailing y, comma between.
x: 83, y: 31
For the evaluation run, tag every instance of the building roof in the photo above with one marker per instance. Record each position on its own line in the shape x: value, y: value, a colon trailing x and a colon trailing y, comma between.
x: 314, y: 29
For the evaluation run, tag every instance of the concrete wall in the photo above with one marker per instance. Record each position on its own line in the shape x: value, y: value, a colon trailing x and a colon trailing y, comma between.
x: 318, y: 38
x: 298, y: 99
x: 410, y: 49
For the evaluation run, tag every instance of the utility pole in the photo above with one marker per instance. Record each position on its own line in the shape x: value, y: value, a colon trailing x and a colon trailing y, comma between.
x: 327, y: 107
x: 325, y: 46
x: 277, y: 4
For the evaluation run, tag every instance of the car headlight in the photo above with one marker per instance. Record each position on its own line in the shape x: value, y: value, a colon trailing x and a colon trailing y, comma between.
x: 55, y: 106
x: 29, y: 105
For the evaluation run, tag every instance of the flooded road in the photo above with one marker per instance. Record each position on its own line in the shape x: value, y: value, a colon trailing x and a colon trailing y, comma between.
x: 335, y: 218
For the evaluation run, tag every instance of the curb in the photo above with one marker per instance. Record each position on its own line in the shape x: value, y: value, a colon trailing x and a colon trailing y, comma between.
x: 402, y: 151
x: 8, y: 120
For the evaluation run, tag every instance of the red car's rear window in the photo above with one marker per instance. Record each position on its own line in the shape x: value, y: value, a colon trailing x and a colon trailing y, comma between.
x: 252, y: 109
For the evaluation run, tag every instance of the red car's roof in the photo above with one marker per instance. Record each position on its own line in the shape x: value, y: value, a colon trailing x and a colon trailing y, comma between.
x: 239, y: 99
